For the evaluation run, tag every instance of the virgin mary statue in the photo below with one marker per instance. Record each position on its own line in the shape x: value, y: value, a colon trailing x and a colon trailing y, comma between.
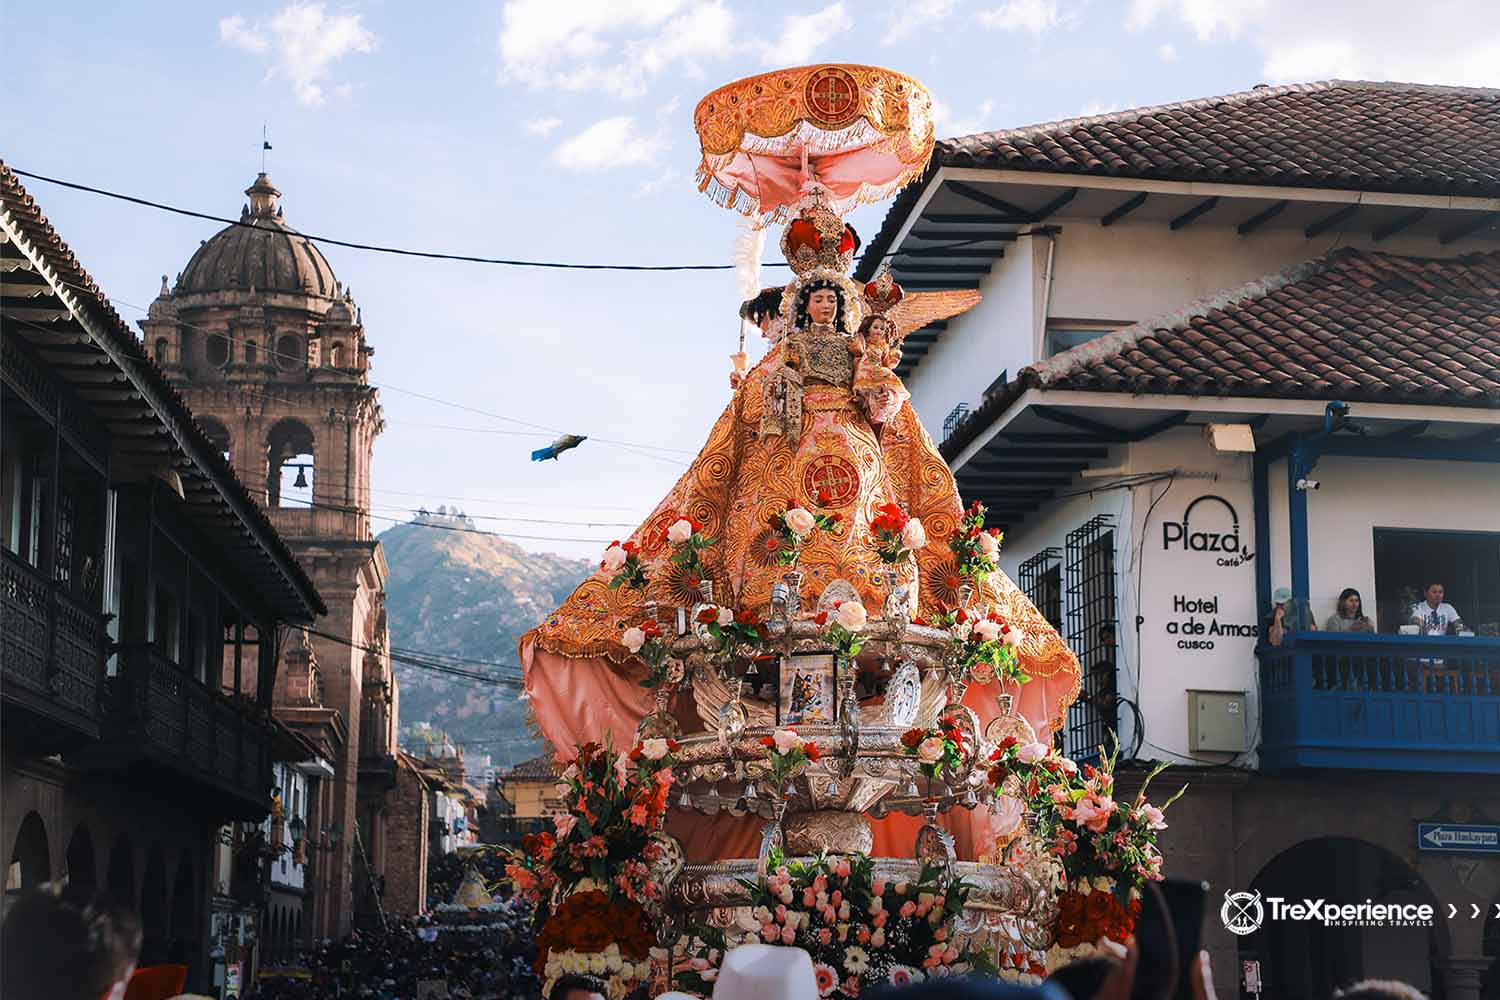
x: 822, y: 423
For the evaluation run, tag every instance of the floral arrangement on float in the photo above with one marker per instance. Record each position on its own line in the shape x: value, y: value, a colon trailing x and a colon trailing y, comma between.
x: 791, y: 530
x: 862, y: 930
x: 985, y: 647
x: 1105, y: 850
x: 623, y: 559
x: 591, y: 880
x: 937, y: 747
x: 975, y: 548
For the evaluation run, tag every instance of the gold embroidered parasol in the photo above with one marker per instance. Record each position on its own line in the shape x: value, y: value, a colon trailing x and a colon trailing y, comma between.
x: 861, y: 131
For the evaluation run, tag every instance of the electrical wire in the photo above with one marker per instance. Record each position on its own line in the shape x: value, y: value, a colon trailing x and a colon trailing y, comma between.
x: 423, y: 662
x: 431, y: 254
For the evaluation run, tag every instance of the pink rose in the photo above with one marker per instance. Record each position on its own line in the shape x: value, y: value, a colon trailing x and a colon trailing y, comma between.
x: 989, y: 545
x: 786, y: 740
x: 726, y: 617
x: 879, y: 919
x: 851, y: 615
x: 799, y: 521
x: 987, y: 630
x: 841, y: 868
x: 788, y: 935
x: 930, y: 750
x: 1030, y: 753
x: 633, y: 639
x: 878, y: 887
x: 914, y: 536
x: 907, y: 909
x: 614, y: 558
x: 680, y: 531
x: 770, y: 933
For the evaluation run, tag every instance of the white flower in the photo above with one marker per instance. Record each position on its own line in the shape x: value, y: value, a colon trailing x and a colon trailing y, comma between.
x: 680, y: 531
x: 914, y: 536
x: 614, y: 558
x: 633, y: 639
x: 653, y: 749
x: 799, y: 521
x: 726, y: 616
x: 987, y: 630
x: 856, y: 960
x: 1012, y: 637
x: 930, y: 750
x: 597, y: 964
x: 989, y: 545
x: 1104, y: 884
x: 851, y: 615
x: 1069, y: 765
x: 1030, y: 753
x: 786, y: 894
x: 761, y: 916
x: 785, y: 740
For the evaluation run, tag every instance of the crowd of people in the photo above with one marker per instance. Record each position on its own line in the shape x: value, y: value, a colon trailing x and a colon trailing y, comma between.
x: 73, y: 943
x: 1431, y: 615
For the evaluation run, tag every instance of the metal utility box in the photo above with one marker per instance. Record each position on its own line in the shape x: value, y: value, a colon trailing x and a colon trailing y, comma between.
x: 1216, y: 721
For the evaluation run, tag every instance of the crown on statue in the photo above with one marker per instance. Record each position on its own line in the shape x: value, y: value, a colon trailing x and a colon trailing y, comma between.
x: 818, y: 237
x: 882, y: 294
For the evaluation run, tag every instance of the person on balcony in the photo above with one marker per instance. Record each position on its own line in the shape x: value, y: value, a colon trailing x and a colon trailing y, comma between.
x: 1288, y: 615
x: 1434, y: 615
x: 1350, y: 614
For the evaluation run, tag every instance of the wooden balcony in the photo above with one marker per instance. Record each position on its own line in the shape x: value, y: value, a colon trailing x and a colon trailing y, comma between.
x: 52, y: 652
x: 162, y: 719
x: 1382, y: 702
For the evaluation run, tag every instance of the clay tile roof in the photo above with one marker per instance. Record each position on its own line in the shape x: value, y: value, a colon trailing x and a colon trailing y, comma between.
x: 1398, y: 137
x: 1354, y: 325
x: 541, y: 767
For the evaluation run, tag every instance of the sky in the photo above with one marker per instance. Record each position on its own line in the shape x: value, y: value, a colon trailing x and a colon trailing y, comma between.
x: 562, y: 130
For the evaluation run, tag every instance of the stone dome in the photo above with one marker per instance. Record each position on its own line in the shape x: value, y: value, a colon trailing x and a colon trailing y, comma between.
x: 262, y: 253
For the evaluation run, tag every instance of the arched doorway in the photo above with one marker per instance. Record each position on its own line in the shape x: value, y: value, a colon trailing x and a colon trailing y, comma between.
x: 1310, y: 959
x: 154, y: 929
x: 184, y: 938
x: 121, y: 875
x: 81, y: 868
x: 30, y: 861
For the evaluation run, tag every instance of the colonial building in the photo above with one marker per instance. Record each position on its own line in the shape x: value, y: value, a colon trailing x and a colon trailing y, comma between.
x: 269, y: 350
x: 144, y: 596
x: 1226, y: 347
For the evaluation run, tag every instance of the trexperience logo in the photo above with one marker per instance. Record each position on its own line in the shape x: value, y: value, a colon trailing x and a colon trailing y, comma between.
x: 1244, y: 912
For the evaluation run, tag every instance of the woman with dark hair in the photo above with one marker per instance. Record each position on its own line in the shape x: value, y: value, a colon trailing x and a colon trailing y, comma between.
x: 1349, y: 615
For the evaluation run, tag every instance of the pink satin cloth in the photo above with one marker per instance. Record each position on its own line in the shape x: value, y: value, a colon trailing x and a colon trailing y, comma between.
x: 581, y: 700
x: 776, y: 179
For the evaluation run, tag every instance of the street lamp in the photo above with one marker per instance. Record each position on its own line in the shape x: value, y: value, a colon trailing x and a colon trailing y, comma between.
x: 297, y: 828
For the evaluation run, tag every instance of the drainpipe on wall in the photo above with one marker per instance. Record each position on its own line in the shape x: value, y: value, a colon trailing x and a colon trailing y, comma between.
x: 1039, y: 341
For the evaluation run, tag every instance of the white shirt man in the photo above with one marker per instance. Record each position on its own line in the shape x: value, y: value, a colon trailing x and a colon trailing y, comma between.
x: 1434, y: 615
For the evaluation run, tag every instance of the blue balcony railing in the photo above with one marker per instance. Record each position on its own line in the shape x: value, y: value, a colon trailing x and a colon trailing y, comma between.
x: 1385, y: 702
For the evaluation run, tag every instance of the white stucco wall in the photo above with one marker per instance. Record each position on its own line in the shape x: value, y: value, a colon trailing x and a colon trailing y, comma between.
x: 992, y: 337
x: 1357, y: 495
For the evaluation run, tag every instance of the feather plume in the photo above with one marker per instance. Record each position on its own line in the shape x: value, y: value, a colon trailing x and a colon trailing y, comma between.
x: 749, y: 242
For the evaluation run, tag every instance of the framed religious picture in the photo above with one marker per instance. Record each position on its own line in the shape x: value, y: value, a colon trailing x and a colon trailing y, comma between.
x: 806, y: 694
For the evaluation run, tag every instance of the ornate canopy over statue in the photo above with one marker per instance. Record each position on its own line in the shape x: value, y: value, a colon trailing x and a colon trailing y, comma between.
x: 861, y: 131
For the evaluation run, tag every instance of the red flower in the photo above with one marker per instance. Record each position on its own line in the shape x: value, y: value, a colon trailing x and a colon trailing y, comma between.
x: 812, y: 751
x: 766, y: 741
x: 747, y: 617
x: 652, y: 628
x: 820, y: 619
x: 631, y: 548
x: 960, y: 616
x: 824, y: 497
x: 707, y: 616
x: 912, y: 738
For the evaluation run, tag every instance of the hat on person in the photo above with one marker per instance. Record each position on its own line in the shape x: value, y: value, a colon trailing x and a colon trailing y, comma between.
x: 1282, y: 595
x: 758, y: 971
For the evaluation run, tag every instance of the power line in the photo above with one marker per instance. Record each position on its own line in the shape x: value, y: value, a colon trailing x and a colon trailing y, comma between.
x: 422, y: 662
x: 436, y: 255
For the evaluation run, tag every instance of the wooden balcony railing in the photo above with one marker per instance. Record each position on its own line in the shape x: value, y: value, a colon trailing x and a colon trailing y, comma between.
x: 53, y: 648
x: 1387, y: 702
x: 161, y: 715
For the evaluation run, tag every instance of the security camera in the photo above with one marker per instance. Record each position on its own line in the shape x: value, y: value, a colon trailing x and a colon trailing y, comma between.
x: 1308, y: 484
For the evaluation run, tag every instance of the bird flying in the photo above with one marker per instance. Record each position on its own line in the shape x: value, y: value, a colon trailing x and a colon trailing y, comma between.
x: 557, y: 447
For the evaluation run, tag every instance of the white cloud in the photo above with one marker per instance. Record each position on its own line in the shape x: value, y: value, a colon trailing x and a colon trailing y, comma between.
x: 612, y: 142
x: 1167, y: 53
x: 1352, y: 39
x: 665, y: 179
x: 543, y: 126
x: 949, y: 124
x: 303, y: 41
x: 1034, y: 16
x: 803, y: 34
x: 617, y: 46
x: 1093, y: 108
x: 907, y: 18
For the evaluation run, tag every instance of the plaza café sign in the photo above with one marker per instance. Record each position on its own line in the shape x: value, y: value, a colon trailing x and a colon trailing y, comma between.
x: 1210, y: 533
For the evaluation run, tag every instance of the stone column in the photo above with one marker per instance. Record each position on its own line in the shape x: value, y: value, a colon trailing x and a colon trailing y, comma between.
x: 1462, y: 975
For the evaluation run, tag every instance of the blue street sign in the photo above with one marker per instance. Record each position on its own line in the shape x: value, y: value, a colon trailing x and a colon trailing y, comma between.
x: 1472, y: 838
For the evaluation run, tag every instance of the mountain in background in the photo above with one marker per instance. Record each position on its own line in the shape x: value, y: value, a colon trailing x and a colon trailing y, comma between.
x: 456, y: 591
